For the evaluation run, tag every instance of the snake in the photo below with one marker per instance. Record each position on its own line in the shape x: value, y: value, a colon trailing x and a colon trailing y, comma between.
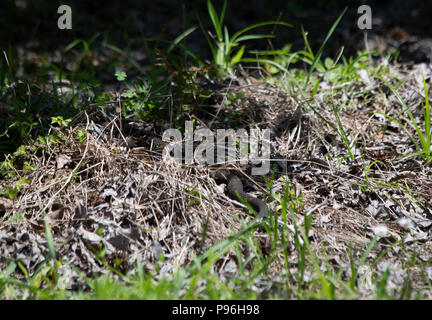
x: 236, y: 191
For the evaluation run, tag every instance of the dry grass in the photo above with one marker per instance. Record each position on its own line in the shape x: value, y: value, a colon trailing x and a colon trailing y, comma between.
x: 105, y: 189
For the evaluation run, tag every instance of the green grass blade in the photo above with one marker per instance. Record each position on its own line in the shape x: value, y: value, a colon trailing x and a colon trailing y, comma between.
x: 402, y: 126
x: 407, y: 110
x: 410, y: 115
x: 75, y: 43
x: 271, y: 52
x: 228, y: 44
x: 306, y: 41
x: 212, y: 48
x: 363, y: 258
x: 222, y: 16
x: 50, y: 241
x: 271, y: 62
x: 237, y: 56
x: 125, y: 55
x: 215, y: 20
x: 427, y: 119
x: 181, y: 37
x: 342, y: 133
x: 255, y: 36
x: 320, y: 50
x: 266, y: 23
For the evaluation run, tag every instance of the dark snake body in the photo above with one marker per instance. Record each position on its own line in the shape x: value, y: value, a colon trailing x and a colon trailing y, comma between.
x: 235, y: 190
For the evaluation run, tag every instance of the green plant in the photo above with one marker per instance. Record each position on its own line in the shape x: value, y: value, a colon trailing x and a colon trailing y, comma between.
x: 345, y: 71
x: 341, y: 132
x: 222, y: 45
x: 231, y: 98
x: 60, y: 121
x: 315, y: 59
x: 355, y: 267
x: 284, y: 57
x: 281, y: 59
x: 30, y: 110
x: 84, y: 69
x: 328, y: 68
x: 137, y: 99
x: 338, y: 128
x: 120, y: 75
x: 45, y: 281
x: 17, y: 217
x: 425, y: 147
x: 81, y: 134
